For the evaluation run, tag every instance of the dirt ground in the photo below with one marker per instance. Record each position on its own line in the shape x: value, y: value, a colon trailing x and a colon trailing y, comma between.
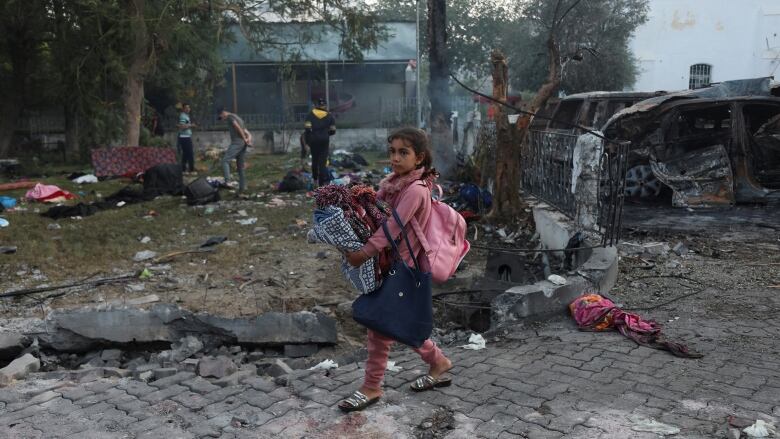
x: 269, y: 266
x: 264, y: 266
x: 714, y: 268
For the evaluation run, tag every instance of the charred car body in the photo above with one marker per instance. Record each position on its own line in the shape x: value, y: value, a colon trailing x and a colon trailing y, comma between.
x: 713, y: 146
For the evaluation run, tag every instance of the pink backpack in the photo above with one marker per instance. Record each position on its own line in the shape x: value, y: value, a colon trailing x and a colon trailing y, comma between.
x: 443, y: 240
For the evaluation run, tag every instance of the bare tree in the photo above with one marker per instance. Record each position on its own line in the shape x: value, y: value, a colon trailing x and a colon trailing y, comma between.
x: 506, y: 199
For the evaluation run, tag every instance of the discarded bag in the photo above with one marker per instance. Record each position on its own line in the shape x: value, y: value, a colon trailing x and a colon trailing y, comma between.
x: 200, y: 192
x: 293, y: 181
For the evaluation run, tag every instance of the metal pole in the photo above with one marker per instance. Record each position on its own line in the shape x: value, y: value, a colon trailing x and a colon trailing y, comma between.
x: 327, y: 87
x: 417, y: 70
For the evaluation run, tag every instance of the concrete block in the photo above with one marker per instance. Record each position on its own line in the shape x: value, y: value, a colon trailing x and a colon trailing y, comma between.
x: 278, y: 368
x: 19, y: 368
x: 534, y: 302
x: 300, y: 350
x: 218, y: 367
x: 601, y: 269
x: 278, y: 328
x: 11, y: 344
x: 554, y: 228
x: 164, y: 372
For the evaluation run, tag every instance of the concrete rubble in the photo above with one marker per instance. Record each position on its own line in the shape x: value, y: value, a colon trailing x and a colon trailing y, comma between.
x: 19, y: 368
x: 84, y: 329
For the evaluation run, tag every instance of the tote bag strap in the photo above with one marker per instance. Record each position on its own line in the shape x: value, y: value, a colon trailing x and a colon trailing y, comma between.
x: 406, y: 238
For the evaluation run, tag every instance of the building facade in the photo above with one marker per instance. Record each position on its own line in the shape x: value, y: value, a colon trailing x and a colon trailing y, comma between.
x: 691, y: 43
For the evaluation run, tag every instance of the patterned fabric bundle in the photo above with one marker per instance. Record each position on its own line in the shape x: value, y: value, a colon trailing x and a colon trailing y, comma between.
x: 597, y: 313
x: 346, y: 218
x: 359, y: 205
x: 331, y: 227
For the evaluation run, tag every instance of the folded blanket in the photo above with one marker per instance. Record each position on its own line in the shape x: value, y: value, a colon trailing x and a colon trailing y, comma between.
x: 331, y: 227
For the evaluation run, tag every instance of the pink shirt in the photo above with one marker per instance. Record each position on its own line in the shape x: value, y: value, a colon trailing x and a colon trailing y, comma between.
x: 413, y: 205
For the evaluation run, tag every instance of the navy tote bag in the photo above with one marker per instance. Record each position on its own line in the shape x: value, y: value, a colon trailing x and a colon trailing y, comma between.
x: 401, y: 308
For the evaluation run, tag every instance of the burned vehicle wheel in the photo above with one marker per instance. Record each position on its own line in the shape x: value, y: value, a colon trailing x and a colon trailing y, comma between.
x: 642, y: 183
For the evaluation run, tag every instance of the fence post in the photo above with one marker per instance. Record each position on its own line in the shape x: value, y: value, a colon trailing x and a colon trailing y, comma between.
x: 585, y: 180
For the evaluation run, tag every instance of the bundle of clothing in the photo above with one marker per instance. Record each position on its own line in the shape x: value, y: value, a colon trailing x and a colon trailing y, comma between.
x: 345, y: 218
x: 597, y: 313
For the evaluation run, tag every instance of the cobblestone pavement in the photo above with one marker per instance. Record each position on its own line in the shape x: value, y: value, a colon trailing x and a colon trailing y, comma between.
x: 546, y: 381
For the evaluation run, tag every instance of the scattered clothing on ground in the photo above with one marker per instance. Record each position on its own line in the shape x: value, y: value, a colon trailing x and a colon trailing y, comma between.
x: 596, y: 313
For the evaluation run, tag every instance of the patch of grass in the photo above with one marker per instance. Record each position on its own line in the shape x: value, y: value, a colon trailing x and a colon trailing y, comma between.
x: 106, y: 242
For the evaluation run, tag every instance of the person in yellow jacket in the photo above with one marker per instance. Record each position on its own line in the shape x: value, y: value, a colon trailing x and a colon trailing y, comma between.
x: 319, y: 126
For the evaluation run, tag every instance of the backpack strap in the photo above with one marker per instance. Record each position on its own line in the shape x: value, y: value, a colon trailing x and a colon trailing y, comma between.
x: 417, y: 228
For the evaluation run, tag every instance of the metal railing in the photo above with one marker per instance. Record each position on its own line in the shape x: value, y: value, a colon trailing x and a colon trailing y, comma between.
x: 547, y: 167
x: 548, y: 170
x: 613, y: 167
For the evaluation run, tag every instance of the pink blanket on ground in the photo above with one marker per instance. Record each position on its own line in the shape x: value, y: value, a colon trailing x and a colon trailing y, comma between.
x: 47, y: 192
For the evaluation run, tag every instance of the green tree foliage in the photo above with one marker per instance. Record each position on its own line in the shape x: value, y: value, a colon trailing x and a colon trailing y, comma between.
x: 100, y: 56
x: 593, y: 39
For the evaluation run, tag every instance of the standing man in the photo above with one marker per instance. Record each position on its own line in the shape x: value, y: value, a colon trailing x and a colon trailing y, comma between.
x: 319, y: 126
x: 185, y: 139
x: 240, y: 139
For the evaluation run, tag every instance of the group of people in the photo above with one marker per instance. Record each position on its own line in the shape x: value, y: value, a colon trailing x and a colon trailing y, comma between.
x: 407, y: 190
x: 319, y: 126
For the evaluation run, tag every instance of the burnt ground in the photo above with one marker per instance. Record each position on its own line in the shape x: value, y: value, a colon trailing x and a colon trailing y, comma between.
x: 726, y: 253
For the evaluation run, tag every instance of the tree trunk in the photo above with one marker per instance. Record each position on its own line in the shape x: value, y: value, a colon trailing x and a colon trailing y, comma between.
x: 506, y: 202
x: 546, y: 90
x: 438, y: 89
x: 133, y: 95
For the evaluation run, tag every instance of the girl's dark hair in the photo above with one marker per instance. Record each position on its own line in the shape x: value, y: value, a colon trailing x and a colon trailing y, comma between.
x: 418, y: 140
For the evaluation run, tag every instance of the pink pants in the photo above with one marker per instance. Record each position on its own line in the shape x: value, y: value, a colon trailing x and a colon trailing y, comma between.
x: 378, y: 349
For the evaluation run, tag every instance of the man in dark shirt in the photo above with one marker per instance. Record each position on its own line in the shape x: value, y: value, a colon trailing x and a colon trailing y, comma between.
x: 240, y: 139
x: 319, y: 126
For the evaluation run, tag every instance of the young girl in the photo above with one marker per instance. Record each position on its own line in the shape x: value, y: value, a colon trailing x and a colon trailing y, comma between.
x: 408, y: 191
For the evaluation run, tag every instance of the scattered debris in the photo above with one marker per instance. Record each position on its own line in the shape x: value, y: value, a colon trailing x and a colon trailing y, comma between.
x: 652, y: 426
x: 330, y: 364
x: 392, y: 367
x: 146, y: 240
x: 680, y: 249
x: 144, y: 255
x: 476, y: 342
x: 4, y: 223
x: 7, y: 249
x: 214, y: 240
x: 557, y: 280
x: 760, y: 429
x: 218, y: 367
x: 85, y: 179
x: 19, y: 368
x: 247, y: 222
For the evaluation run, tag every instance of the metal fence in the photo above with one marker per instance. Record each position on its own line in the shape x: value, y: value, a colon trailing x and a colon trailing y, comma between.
x: 612, y: 189
x: 547, y: 167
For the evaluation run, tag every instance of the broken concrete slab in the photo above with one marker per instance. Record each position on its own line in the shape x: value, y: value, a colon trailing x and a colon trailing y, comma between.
x: 300, y: 350
x: 532, y: 302
x: 11, y: 344
x: 278, y: 328
x: 111, y: 354
x: 276, y: 368
x: 19, y: 368
x: 185, y: 348
x: 217, y: 367
x: 84, y: 329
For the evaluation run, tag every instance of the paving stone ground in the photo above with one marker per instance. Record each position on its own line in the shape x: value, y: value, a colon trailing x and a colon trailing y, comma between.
x: 545, y: 381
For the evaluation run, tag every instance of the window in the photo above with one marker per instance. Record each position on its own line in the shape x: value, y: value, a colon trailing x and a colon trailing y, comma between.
x: 701, y: 76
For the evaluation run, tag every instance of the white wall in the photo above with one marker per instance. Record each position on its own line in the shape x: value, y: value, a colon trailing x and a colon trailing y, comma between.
x: 739, y: 38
